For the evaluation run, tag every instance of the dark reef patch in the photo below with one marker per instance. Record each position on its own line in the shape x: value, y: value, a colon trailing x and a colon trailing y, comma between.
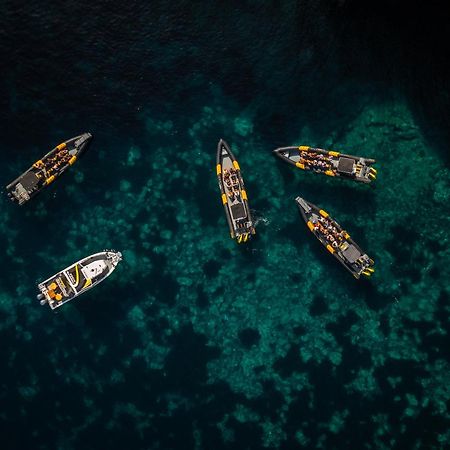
x: 247, y: 435
x: 296, y: 278
x: 249, y: 337
x: 318, y: 306
x: 211, y: 268
x: 202, y: 299
x: 342, y: 325
x: 290, y: 363
x: 185, y: 365
x: 299, y: 330
x: 166, y: 288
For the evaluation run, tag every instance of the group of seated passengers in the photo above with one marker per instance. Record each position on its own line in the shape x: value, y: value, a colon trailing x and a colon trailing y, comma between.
x: 54, y: 162
x: 60, y: 159
x: 231, y: 182
x: 315, y: 161
x: 330, y: 232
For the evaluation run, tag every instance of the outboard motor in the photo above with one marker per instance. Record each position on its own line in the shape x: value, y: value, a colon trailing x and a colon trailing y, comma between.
x: 42, y: 299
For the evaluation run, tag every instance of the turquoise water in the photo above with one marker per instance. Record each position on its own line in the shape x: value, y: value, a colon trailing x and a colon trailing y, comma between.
x: 194, y: 341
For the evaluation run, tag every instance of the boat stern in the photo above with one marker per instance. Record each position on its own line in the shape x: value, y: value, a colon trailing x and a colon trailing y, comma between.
x: 56, y: 291
x: 18, y: 191
x: 367, y: 266
x: 355, y: 260
x: 245, y: 234
x: 361, y: 169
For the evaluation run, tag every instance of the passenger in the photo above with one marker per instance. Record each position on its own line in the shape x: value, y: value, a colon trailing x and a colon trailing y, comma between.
x: 334, y: 244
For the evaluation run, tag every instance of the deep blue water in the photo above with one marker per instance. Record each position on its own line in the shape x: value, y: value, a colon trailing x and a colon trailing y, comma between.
x: 195, y: 342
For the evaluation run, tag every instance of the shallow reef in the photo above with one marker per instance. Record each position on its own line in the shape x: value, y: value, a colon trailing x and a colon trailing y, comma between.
x: 268, y: 345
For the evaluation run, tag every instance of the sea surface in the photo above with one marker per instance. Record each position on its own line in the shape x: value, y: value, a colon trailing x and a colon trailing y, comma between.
x: 195, y: 342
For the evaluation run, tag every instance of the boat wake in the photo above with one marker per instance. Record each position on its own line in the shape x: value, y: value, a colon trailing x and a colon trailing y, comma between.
x: 259, y: 218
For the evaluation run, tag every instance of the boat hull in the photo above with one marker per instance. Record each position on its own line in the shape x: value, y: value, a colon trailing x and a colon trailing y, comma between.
x: 47, y: 169
x: 233, y: 194
x: 78, y: 278
x: 335, y: 239
x: 329, y: 163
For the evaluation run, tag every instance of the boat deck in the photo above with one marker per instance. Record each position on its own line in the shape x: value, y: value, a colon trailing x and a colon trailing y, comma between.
x: 329, y: 163
x: 336, y: 240
x: 47, y: 169
x: 76, y: 279
x: 233, y: 190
